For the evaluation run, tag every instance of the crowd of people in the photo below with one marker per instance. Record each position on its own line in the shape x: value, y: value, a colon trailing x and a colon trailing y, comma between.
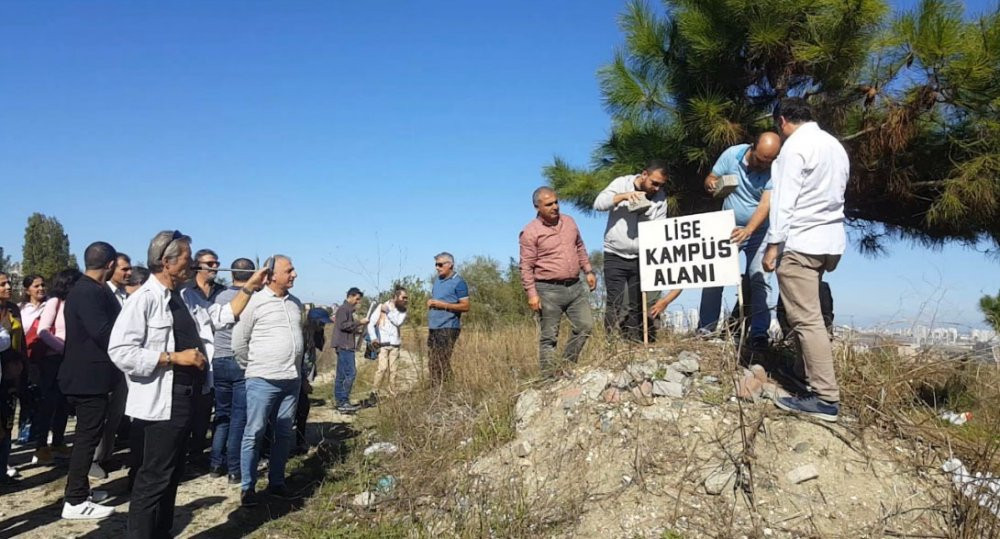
x: 144, y: 356
x: 160, y: 357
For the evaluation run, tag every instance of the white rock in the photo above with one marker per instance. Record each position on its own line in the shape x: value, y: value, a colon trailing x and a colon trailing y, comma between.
x: 719, y: 480
x: 365, y: 499
x: 381, y: 448
x: 522, y: 449
x: 663, y: 388
x: 622, y: 380
x: 528, y: 404
x: 802, y: 473
x: 658, y: 413
x: 673, y: 375
x: 594, y: 382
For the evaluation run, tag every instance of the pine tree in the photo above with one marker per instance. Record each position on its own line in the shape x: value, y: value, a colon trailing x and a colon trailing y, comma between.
x: 46, y: 247
x: 4, y: 260
x: 915, y: 97
x: 990, y: 307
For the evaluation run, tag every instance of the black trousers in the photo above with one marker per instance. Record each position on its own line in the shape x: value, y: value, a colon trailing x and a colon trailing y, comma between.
x: 91, y: 411
x: 623, y: 309
x: 200, y: 423
x: 440, y: 345
x: 301, y: 416
x: 164, y: 445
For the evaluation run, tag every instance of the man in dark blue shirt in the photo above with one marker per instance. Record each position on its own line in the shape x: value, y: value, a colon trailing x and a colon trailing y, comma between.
x: 449, y: 299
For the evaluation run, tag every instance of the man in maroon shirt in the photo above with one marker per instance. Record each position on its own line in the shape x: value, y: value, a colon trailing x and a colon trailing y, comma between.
x: 552, y: 256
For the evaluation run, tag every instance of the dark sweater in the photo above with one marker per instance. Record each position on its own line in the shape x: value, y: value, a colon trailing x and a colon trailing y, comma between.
x: 345, y: 328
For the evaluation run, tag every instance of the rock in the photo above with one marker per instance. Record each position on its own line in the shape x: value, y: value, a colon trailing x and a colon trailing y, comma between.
x: 528, y: 404
x: 384, y: 448
x: 365, y: 499
x: 663, y: 388
x: 710, y: 380
x: 672, y: 375
x: 646, y: 388
x: 719, y: 480
x: 594, y: 382
x: 386, y: 483
x: 687, y: 362
x: 801, y: 447
x: 749, y: 387
x: 659, y: 413
x: 622, y: 380
x: 612, y: 395
x: 522, y: 449
x: 570, y: 396
x: 639, y: 398
x: 802, y: 473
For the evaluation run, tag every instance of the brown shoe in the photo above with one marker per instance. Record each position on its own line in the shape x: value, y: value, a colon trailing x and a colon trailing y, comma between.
x: 43, y: 456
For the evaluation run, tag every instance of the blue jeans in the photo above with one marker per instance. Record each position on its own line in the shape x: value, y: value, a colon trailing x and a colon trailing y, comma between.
x: 760, y: 315
x: 230, y: 414
x: 346, y: 371
x: 274, y: 401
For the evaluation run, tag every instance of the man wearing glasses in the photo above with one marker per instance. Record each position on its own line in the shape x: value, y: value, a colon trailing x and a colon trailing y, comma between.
x: 628, y: 200
x: 202, y: 292
x: 449, y: 299
x: 161, y: 344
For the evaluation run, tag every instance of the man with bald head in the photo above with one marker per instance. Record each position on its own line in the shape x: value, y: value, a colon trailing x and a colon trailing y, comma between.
x: 750, y: 202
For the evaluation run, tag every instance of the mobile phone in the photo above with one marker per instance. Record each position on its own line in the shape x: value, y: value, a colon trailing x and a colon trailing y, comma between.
x: 269, y: 267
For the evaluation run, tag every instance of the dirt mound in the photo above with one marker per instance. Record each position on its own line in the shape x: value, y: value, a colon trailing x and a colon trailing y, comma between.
x: 600, y: 455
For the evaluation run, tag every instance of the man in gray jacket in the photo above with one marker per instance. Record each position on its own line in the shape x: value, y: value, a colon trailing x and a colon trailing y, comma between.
x: 345, y: 339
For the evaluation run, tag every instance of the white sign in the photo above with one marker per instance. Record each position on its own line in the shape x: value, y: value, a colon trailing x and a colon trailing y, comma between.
x: 693, y: 251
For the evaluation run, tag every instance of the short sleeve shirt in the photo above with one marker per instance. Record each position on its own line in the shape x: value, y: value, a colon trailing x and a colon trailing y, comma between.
x: 745, y: 199
x: 448, y: 290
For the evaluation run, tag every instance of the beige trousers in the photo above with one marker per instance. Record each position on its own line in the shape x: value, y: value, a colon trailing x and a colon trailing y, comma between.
x: 387, y: 358
x: 798, y: 280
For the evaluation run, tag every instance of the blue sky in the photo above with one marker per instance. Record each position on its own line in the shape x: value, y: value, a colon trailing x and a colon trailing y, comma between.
x: 360, y: 138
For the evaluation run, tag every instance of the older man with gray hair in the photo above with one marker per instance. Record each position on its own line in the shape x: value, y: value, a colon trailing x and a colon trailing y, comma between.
x: 161, y: 344
x: 268, y: 343
x: 552, y: 257
x: 449, y: 299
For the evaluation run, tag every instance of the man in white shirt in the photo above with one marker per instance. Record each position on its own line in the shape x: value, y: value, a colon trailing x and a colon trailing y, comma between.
x: 384, y: 328
x: 119, y: 279
x: 268, y: 342
x: 161, y: 345
x: 807, y: 232
x: 628, y: 200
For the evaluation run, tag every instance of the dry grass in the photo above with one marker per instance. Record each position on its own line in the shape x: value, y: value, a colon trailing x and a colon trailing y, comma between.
x: 442, y: 431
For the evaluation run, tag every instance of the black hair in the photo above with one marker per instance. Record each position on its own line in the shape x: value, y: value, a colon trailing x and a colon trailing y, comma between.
x: 27, y: 282
x: 203, y: 252
x: 123, y: 256
x: 656, y: 164
x: 140, y: 275
x: 63, y: 281
x: 794, y: 109
x: 244, y: 264
x: 98, y: 255
x: 355, y: 291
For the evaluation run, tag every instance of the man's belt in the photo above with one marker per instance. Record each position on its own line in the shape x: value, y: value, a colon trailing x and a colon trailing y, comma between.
x: 564, y: 282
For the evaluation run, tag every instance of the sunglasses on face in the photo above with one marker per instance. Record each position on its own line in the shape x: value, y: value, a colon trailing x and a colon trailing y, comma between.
x: 210, y: 263
x: 440, y: 264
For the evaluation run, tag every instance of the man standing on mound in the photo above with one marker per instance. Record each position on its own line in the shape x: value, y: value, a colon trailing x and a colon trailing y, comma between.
x: 552, y: 257
x: 807, y: 233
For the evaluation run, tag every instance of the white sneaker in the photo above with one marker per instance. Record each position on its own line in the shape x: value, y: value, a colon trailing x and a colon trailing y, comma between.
x: 98, y: 496
x: 12, y: 472
x: 86, y: 511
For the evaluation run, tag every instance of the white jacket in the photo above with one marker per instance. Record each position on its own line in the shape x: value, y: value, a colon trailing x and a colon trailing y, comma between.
x: 388, y: 330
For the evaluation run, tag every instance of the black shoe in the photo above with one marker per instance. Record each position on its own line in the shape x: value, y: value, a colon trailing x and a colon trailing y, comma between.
x: 278, y: 491
x: 248, y: 498
x: 759, y: 344
x: 235, y: 479
x: 215, y: 472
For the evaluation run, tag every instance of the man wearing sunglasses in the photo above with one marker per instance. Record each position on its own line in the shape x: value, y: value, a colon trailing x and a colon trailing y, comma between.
x: 201, y: 292
x: 449, y: 299
x: 628, y: 200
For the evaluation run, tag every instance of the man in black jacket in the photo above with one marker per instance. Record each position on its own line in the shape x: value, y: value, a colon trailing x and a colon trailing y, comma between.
x: 88, y: 376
